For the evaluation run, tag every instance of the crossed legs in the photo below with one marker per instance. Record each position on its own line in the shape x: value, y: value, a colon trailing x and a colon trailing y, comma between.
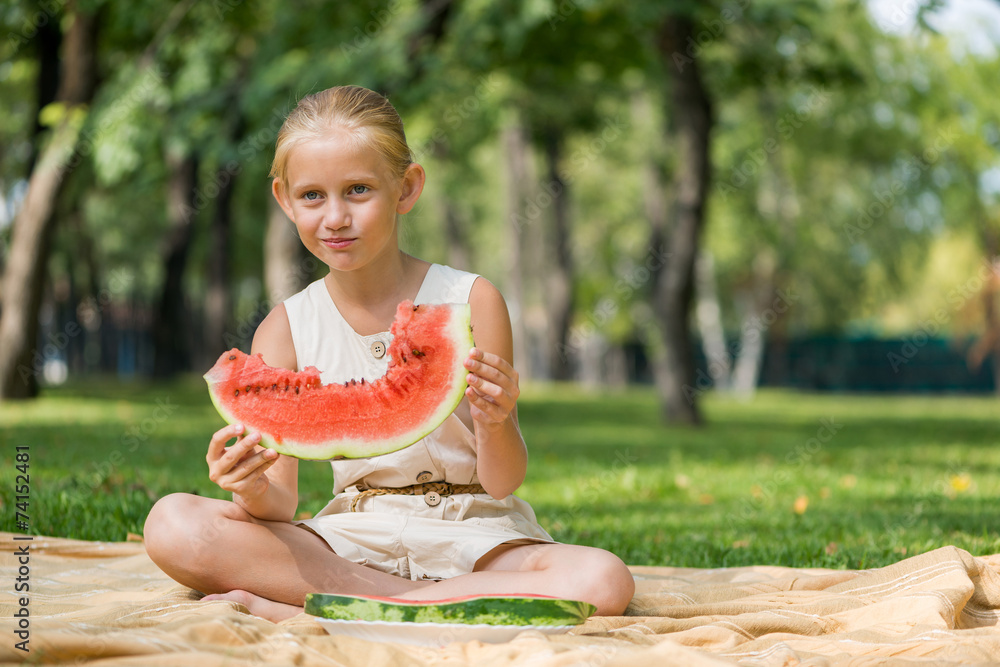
x: 216, y: 547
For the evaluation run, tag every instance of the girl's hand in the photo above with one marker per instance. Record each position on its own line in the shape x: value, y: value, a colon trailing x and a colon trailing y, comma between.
x: 492, y: 389
x: 239, y: 469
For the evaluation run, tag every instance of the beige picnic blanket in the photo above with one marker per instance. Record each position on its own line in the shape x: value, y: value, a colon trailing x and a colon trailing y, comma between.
x: 102, y: 604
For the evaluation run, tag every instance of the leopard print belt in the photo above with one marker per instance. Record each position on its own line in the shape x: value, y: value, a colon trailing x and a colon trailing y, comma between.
x: 431, y: 491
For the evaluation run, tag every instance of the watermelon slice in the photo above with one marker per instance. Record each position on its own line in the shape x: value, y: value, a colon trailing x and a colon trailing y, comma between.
x: 535, y: 610
x: 299, y: 416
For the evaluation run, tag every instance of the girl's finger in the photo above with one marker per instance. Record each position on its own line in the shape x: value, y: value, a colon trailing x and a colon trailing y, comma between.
x: 490, y: 373
x: 489, y: 357
x: 492, y: 360
x: 217, y: 445
x: 487, y: 406
x: 249, y: 468
x: 219, y: 468
x: 264, y: 458
x: 491, y: 393
x: 241, y: 449
x: 485, y: 388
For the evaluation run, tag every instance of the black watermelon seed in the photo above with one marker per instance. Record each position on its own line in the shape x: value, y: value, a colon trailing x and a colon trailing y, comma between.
x: 232, y: 357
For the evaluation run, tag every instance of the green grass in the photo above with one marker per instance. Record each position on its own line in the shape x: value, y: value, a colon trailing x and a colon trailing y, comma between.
x: 888, y: 477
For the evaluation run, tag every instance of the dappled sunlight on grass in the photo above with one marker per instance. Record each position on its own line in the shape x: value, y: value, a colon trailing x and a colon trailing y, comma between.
x: 788, y: 478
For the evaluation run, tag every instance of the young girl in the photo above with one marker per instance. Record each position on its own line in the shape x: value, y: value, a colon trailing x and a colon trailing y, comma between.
x: 343, y: 174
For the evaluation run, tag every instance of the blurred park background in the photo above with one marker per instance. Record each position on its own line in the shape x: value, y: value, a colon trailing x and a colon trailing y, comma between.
x: 684, y: 203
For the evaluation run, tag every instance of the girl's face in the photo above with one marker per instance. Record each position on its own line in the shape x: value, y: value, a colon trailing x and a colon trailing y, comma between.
x: 344, y: 200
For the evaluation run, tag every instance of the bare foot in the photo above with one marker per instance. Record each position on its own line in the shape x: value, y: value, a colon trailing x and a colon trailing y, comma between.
x: 258, y: 606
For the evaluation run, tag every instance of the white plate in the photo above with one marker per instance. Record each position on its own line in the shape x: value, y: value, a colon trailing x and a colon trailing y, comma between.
x: 432, y: 634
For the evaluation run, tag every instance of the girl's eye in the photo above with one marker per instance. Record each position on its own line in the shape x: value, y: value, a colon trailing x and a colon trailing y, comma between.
x: 312, y: 195
x: 359, y: 189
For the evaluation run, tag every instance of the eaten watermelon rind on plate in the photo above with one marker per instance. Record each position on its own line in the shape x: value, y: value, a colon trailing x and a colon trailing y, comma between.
x: 526, y: 610
x: 297, y: 415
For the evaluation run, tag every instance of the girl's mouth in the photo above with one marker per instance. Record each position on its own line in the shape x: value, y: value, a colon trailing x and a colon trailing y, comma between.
x: 337, y: 242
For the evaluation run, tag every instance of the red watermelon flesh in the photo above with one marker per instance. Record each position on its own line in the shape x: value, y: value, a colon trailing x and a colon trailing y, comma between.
x: 299, y: 416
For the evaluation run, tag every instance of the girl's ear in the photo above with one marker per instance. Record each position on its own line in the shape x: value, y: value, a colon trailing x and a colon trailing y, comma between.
x: 281, y: 196
x: 413, y: 185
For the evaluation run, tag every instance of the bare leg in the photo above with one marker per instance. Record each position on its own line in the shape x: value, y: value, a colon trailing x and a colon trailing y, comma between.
x: 560, y: 570
x: 215, y: 546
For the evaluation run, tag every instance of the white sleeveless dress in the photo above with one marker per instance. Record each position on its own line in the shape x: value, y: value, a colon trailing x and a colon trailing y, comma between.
x: 402, y: 534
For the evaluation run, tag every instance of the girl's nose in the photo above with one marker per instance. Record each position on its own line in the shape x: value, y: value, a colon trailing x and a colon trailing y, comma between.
x: 335, y: 215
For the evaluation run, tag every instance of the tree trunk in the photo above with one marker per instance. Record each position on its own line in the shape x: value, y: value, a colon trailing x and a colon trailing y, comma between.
x: 559, y: 282
x: 458, y: 245
x: 218, y: 296
x: 709, y: 312
x: 775, y: 201
x: 673, y: 286
x: 47, y: 44
x: 995, y: 351
x: 779, y: 203
x: 24, y: 278
x: 746, y: 371
x: 287, y: 264
x: 988, y: 345
x: 992, y: 286
x: 171, y: 325
x: 86, y: 302
x: 515, y: 151
x: 20, y: 362
x: 753, y: 337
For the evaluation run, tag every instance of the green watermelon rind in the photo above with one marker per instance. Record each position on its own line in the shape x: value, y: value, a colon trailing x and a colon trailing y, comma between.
x: 460, y: 332
x: 487, y: 610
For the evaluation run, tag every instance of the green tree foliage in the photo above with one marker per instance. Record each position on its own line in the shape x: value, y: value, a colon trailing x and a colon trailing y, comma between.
x: 844, y: 157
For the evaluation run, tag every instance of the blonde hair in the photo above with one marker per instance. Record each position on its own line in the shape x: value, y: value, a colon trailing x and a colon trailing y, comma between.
x: 374, y: 121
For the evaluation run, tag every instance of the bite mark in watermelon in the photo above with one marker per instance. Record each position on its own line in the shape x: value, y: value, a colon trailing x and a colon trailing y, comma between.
x: 297, y: 415
x: 466, y: 610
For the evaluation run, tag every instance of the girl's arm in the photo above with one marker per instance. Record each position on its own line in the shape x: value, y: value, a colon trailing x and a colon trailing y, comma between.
x: 262, y: 482
x: 492, y: 393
